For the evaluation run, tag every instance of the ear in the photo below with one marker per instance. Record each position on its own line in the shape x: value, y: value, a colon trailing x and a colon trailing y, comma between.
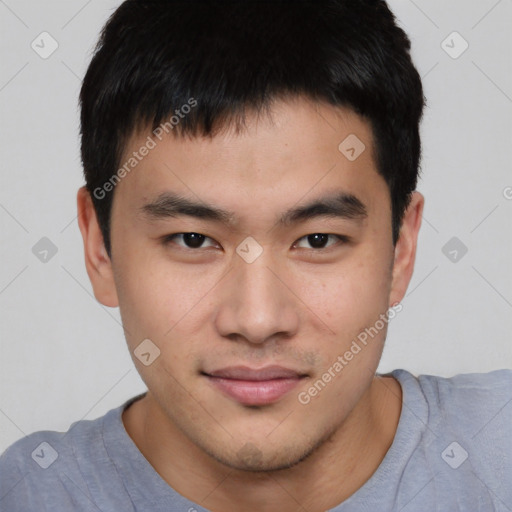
x: 405, y: 249
x: 97, y: 261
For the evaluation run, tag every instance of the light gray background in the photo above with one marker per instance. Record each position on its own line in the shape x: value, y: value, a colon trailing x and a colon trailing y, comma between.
x: 63, y: 355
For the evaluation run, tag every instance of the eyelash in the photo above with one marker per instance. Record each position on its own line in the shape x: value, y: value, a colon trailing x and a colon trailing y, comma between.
x: 342, y: 239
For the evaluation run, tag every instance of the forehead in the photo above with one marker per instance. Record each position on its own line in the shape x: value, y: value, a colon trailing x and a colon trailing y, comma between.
x: 304, y: 147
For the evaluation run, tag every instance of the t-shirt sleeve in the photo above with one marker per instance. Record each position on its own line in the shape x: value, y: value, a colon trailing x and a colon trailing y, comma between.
x: 30, y: 479
x: 475, y: 410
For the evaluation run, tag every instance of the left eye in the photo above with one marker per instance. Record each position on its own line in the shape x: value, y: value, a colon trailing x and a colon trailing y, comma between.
x: 320, y: 240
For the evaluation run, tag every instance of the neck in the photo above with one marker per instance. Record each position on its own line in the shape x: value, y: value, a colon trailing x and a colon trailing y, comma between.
x: 332, y: 473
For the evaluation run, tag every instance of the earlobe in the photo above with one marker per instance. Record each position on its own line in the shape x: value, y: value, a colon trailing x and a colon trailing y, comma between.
x: 405, y: 249
x: 97, y: 261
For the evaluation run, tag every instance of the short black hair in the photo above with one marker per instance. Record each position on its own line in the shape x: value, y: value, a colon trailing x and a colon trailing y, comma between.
x: 223, y: 57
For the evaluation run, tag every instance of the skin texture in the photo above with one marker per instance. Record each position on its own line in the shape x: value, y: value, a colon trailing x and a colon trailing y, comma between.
x: 294, y: 306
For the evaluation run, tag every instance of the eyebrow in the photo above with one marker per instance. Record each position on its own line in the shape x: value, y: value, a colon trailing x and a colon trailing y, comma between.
x: 341, y: 205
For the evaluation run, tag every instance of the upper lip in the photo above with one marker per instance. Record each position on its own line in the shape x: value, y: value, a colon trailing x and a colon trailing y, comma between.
x: 260, y: 374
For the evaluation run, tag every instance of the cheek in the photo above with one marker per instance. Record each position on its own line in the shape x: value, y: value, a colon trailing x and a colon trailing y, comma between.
x: 161, y: 300
x: 351, y: 295
x: 352, y: 300
x: 158, y: 305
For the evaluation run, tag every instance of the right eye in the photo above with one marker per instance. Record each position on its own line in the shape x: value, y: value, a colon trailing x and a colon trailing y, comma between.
x: 190, y: 241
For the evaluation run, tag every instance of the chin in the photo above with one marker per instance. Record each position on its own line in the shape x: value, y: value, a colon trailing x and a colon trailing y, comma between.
x: 262, y: 456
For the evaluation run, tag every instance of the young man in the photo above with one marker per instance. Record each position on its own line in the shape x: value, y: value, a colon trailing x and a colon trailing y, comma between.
x: 251, y: 208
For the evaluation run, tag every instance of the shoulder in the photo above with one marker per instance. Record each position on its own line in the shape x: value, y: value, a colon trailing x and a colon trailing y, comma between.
x: 468, y: 397
x: 43, y: 448
x: 44, y: 469
x: 498, y: 381
x: 27, y: 469
x: 462, y: 431
x: 475, y: 407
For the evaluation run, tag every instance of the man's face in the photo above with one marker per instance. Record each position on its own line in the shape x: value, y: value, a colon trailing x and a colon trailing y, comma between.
x: 252, y: 291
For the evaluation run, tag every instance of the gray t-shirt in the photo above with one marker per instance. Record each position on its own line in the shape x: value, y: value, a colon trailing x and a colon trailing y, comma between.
x: 452, y: 452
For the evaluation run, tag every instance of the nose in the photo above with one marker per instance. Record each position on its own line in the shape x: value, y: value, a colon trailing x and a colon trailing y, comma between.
x: 257, y: 303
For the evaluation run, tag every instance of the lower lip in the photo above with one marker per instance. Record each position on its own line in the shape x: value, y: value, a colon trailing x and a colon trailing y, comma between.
x: 251, y: 392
